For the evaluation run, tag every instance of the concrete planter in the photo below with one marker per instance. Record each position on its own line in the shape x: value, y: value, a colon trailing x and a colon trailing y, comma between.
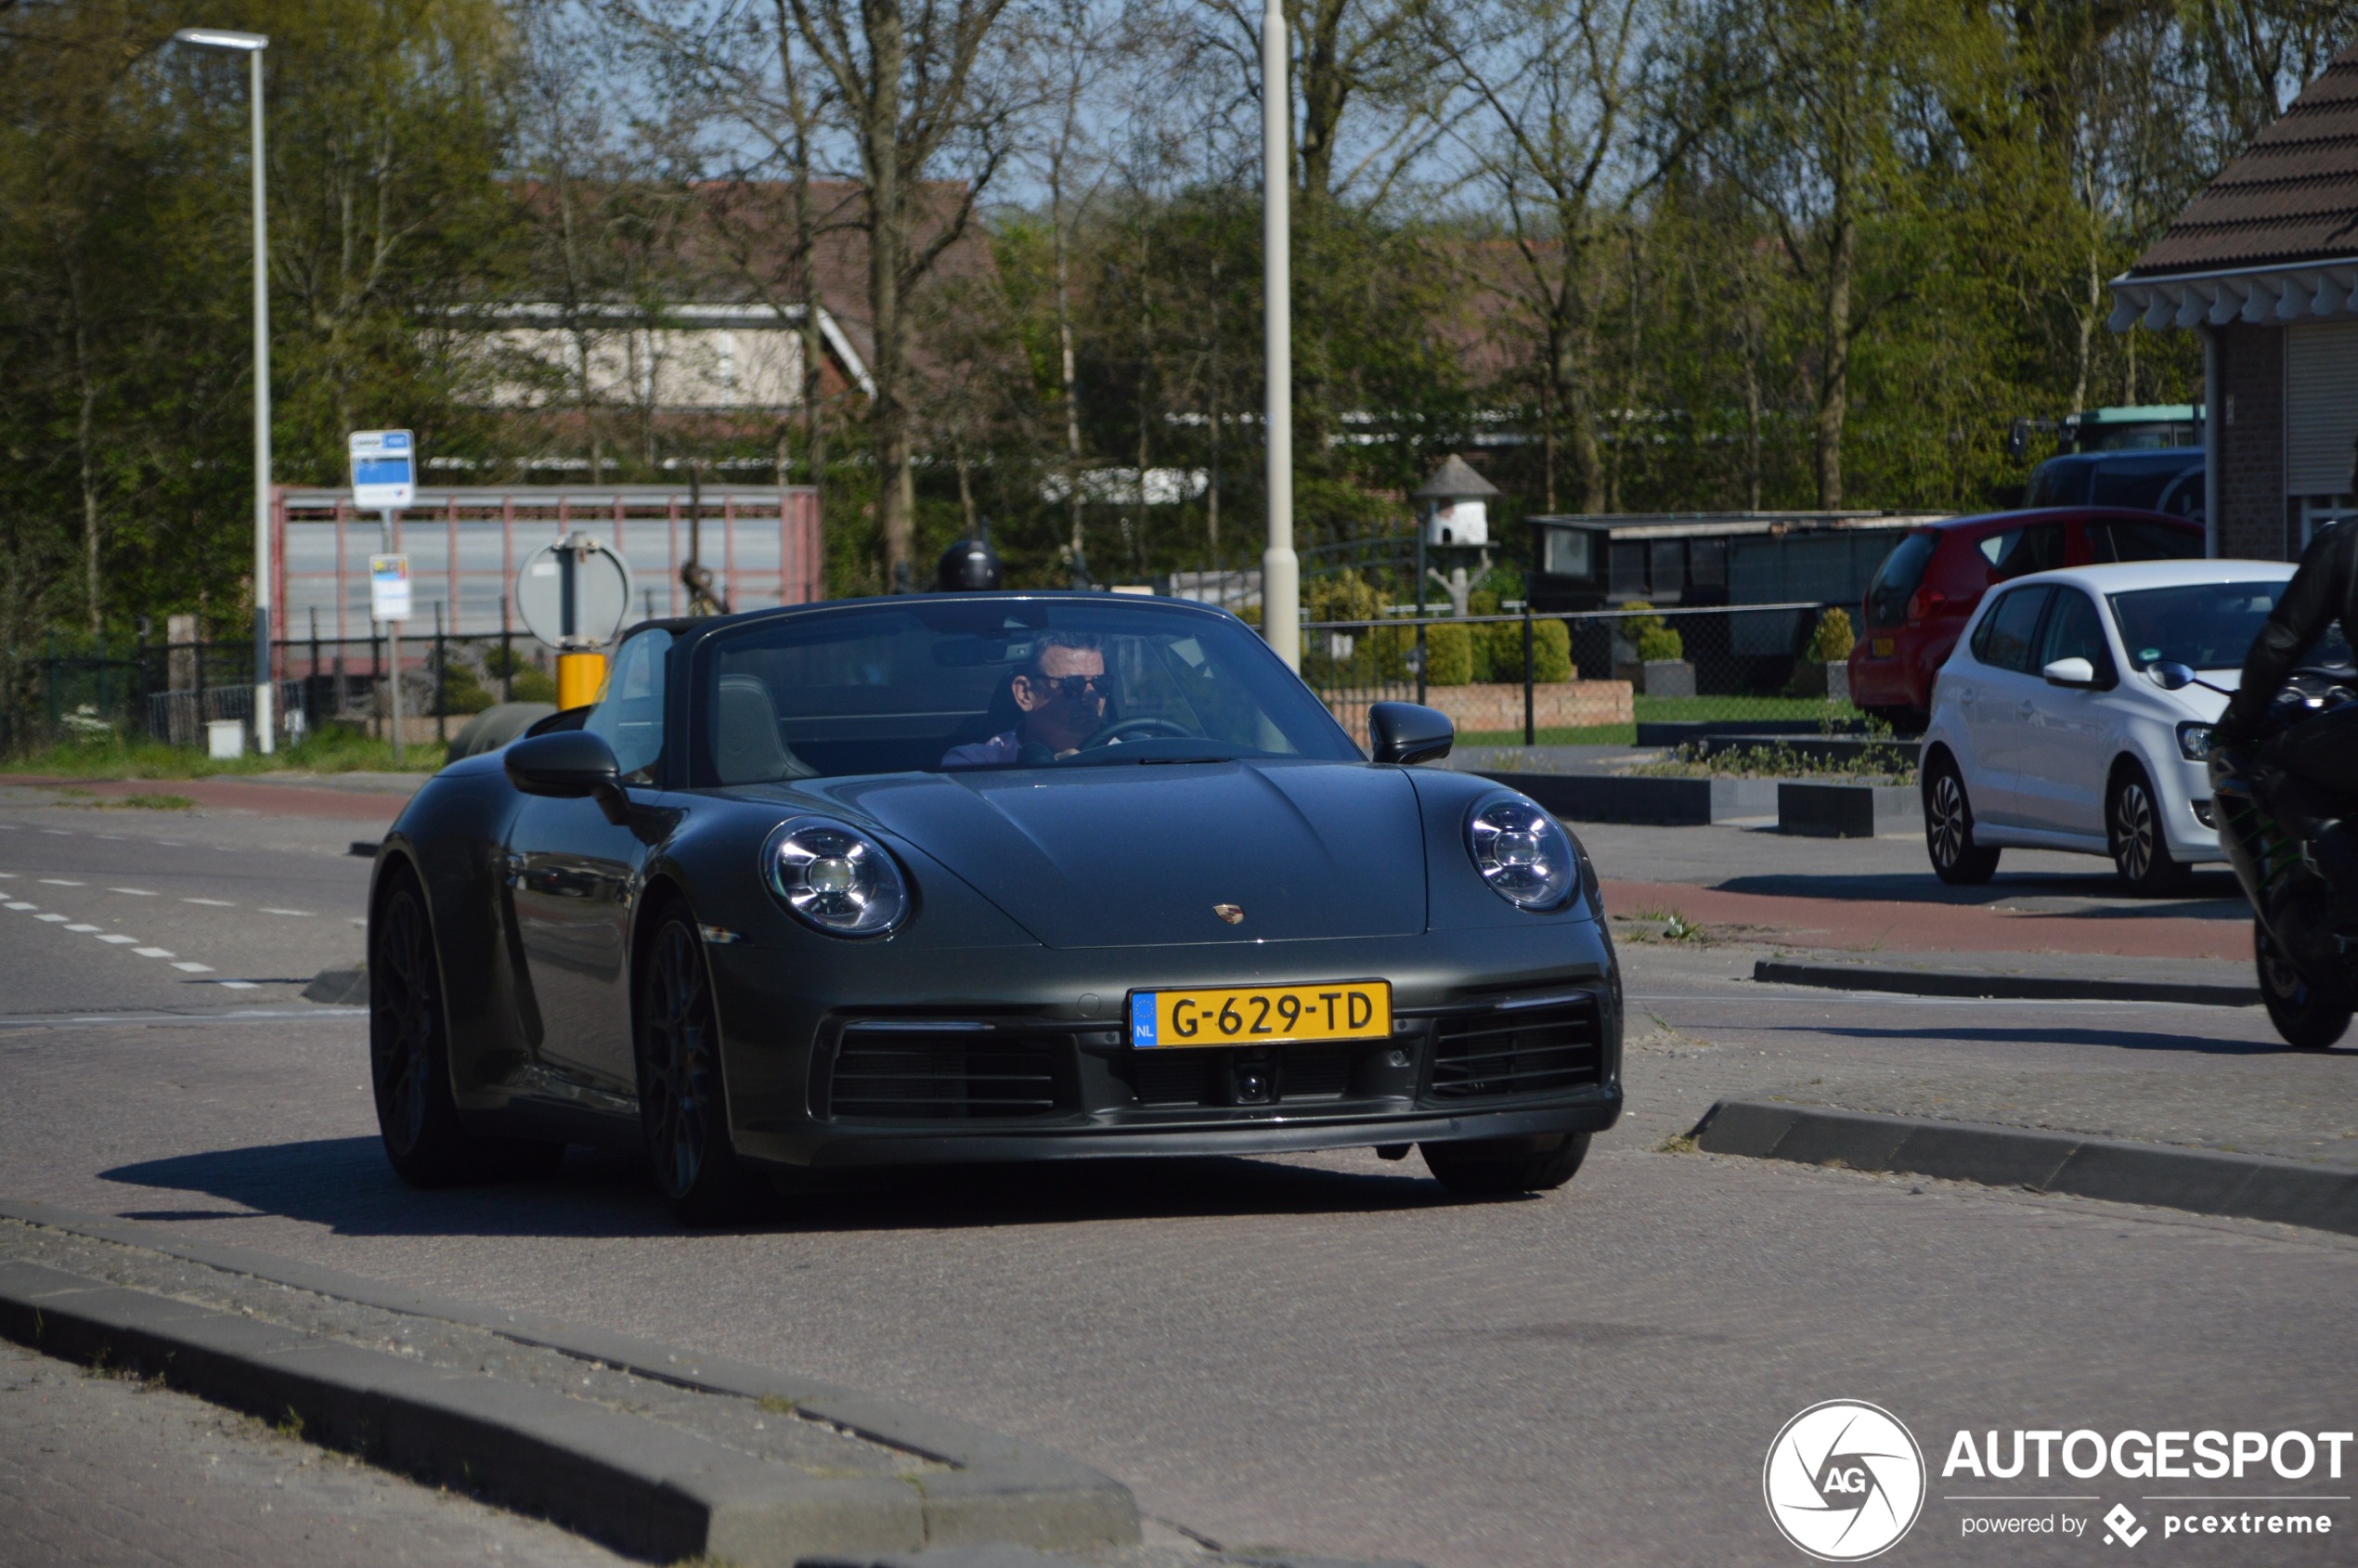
x: 1811, y: 679
x: 1833, y: 810
x: 1659, y: 677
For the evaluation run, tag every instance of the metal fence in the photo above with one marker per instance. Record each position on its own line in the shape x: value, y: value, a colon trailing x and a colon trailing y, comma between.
x: 169, y: 692
x: 1526, y: 677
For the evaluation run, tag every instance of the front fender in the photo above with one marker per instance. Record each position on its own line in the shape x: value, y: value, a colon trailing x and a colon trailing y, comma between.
x: 453, y: 835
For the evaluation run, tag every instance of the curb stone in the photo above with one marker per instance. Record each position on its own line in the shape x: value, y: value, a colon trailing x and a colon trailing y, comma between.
x: 650, y: 1488
x: 2244, y: 1186
x: 2029, y: 988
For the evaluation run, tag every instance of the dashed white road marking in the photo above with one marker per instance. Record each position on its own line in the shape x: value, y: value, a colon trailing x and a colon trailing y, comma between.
x: 235, y: 985
x: 49, y: 917
x: 79, y: 925
x: 194, y: 967
x: 117, y: 937
x: 61, y: 882
x: 24, y: 906
x: 304, y: 913
x: 152, y: 952
x: 57, y: 833
x: 211, y: 904
x: 134, y: 892
x: 112, y: 838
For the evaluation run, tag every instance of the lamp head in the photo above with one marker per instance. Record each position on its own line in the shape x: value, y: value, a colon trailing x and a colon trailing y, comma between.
x: 218, y: 38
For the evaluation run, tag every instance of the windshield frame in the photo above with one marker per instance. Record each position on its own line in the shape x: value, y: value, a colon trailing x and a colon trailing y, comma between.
x: 699, y: 686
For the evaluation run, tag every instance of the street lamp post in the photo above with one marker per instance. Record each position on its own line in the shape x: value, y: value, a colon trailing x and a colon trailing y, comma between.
x: 1280, y: 568
x: 251, y: 44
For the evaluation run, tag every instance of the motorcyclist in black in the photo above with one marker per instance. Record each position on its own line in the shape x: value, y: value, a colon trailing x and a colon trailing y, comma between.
x: 2319, y: 756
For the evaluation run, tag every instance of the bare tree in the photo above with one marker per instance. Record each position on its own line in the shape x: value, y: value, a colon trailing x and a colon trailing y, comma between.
x: 910, y: 87
x: 1559, y: 83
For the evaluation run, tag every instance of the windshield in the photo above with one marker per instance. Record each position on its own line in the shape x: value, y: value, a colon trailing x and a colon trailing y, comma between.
x: 2204, y: 626
x: 946, y: 685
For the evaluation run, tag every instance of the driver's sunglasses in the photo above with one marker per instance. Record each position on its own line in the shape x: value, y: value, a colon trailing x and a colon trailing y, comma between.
x: 1072, y: 688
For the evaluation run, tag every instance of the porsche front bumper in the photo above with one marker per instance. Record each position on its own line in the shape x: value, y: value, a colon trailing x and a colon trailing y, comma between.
x: 1000, y: 1054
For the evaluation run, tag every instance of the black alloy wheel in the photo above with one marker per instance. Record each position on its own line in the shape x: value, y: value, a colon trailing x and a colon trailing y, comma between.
x: 2305, y: 1015
x: 1949, y: 839
x: 683, y: 1108
x: 2132, y: 827
x: 409, y: 1056
x: 1504, y: 1167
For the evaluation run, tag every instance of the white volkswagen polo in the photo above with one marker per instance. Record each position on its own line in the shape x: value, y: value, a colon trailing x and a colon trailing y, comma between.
x: 2049, y: 731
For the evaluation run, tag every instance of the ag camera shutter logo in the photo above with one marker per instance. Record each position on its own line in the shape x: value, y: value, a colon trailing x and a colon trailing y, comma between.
x: 1844, y: 1481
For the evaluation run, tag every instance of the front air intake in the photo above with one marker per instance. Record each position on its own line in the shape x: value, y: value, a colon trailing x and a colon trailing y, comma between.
x: 1517, y: 1053
x: 948, y: 1075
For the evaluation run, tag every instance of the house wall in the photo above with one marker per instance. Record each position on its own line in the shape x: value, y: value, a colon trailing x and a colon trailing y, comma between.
x: 2252, y: 511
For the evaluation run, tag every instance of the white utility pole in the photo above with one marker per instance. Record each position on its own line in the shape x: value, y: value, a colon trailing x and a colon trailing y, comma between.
x: 1280, y: 568
x: 251, y: 44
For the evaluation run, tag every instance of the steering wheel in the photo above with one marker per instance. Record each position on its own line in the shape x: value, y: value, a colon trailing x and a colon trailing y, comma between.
x: 1115, y: 734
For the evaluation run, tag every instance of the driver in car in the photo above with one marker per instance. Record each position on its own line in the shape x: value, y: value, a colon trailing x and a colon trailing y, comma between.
x: 1060, y: 700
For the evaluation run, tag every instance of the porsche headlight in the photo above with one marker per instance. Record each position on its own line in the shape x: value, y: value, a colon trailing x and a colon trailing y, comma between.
x: 835, y: 877
x: 1527, y: 860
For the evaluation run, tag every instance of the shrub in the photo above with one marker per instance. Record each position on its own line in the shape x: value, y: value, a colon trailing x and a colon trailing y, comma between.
x: 532, y: 684
x: 1832, y: 642
x: 460, y: 692
x: 1550, y: 652
x: 1655, y: 640
x: 1450, y: 655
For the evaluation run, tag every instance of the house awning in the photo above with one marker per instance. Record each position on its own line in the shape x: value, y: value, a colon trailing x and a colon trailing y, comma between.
x: 2275, y: 296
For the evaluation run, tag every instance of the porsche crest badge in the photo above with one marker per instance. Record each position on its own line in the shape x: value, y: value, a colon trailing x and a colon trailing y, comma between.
x: 1233, y: 913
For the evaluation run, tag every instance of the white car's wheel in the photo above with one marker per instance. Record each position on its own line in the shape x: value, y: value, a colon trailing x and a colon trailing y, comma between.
x: 1956, y: 859
x: 2132, y: 827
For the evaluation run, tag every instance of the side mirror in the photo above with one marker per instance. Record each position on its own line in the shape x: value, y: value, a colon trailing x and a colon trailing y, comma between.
x: 2172, y: 677
x: 2070, y: 672
x: 1405, y: 733
x: 568, y: 764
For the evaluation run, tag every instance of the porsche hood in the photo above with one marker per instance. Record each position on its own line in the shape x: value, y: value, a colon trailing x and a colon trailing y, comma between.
x: 1138, y: 855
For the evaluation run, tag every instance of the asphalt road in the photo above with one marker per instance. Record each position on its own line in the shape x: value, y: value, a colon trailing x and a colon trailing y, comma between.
x: 1322, y: 1352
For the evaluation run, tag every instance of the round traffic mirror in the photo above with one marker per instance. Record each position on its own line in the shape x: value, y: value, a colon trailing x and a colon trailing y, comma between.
x: 574, y: 593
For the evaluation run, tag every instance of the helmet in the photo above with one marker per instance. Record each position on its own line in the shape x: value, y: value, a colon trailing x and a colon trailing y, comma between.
x: 968, y: 565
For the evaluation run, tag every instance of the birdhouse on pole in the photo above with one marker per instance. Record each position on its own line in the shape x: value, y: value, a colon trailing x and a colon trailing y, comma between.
x: 1455, y: 503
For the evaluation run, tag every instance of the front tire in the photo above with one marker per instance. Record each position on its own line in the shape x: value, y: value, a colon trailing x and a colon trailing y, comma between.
x: 425, y: 1140
x: 683, y: 1104
x: 2133, y: 828
x: 1504, y: 1167
x: 1949, y: 839
x: 2306, y: 1017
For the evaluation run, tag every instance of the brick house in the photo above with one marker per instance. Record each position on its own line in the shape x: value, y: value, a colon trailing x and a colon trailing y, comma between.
x: 2265, y: 264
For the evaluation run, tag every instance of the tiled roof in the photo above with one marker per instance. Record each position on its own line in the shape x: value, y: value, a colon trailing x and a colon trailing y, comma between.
x: 2291, y: 197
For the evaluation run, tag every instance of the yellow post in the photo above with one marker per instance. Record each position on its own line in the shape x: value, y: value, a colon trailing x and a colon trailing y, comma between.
x: 579, y: 678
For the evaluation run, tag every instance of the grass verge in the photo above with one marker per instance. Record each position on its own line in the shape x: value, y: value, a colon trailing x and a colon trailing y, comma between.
x: 333, y: 751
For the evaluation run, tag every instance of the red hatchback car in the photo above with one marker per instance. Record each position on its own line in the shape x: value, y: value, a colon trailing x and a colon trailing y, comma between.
x: 1927, y: 587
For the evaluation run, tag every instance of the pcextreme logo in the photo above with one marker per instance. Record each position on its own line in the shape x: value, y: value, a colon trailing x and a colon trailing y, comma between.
x: 1844, y: 1481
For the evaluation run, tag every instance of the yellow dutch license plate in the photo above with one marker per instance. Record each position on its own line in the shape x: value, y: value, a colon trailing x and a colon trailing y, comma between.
x: 1880, y: 648
x: 1261, y: 1015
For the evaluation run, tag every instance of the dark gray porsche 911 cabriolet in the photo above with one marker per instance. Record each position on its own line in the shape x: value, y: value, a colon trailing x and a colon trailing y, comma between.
x: 981, y: 877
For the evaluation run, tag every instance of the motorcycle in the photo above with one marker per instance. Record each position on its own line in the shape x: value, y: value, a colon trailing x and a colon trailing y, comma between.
x: 2306, y: 956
